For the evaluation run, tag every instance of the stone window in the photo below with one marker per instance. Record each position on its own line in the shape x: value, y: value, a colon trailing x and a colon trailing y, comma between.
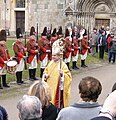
x: 20, y: 3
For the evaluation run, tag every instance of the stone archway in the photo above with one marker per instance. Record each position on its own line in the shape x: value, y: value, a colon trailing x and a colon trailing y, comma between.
x: 88, y: 11
x: 102, y: 16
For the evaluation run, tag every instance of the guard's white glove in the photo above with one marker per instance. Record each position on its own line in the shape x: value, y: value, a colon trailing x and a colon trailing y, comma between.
x: 48, y: 50
x: 11, y: 58
x: 5, y: 62
x: 45, y: 77
x: 36, y: 51
x: 24, y: 57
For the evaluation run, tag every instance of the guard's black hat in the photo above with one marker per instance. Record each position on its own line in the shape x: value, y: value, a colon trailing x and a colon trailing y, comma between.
x: 3, y: 35
x: 60, y: 31
x: 73, y: 33
x: 44, y: 33
x: 67, y: 33
x: 19, y: 33
x: 54, y: 33
x: 32, y: 31
x: 85, y: 33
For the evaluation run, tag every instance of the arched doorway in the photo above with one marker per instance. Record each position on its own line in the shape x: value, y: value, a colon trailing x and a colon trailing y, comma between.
x: 102, y: 16
x: 94, y: 13
x: 101, y: 22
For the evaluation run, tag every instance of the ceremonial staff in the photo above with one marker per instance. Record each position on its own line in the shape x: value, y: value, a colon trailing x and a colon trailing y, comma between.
x: 25, y: 60
x: 59, y: 92
x: 88, y: 39
x: 51, y: 29
x: 37, y: 34
x: 25, y: 39
x: 60, y: 81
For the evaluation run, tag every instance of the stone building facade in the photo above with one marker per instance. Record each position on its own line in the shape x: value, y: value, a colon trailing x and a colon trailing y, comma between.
x: 27, y: 13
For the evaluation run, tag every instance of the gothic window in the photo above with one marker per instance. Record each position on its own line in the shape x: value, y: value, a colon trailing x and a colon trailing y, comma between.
x: 20, y: 3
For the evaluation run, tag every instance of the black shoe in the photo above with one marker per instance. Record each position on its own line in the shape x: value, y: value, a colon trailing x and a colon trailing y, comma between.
x: 74, y: 68
x: 19, y: 83
x: 6, y: 86
x: 35, y: 78
x: 22, y: 82
x: 85, y: 65
x: 77, y: 67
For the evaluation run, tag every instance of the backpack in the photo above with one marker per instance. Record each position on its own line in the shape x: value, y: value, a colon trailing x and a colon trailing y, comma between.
x: 113, y: 47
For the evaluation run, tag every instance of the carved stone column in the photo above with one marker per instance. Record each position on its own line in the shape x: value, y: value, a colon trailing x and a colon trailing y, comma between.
x: 79, y: 19
x: 26, y: 15
x: 13, y: 18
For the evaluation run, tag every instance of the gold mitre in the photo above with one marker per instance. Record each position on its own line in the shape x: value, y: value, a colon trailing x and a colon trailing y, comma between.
x: 57, y: 47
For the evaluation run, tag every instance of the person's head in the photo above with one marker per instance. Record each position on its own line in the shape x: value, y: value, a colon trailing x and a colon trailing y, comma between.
x: 67, y: 33
x: 110, y: 104
x: 107, y: 28
x: 102, y: 27
x: 56, y: 57
x: 30, y: 108
x: 103, y: 32
x: 41, y: 90
x: 75, y: 29
x: 32, y: 31
x: 48, y: 30
x: 3, y: 35
x: 85, y: 35
x: 114, y: 87
x: 89, y: 89
x: 70, y: 29
x: 54, y: 33
x: 60, y: 31
x: 112, y: 35
x: 44, y: 33
x: 57, y: 49
x: 94, y: 30
x: 19, y: 34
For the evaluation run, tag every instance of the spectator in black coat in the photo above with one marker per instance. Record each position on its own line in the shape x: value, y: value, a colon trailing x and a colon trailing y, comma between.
x: 102, y: 44
x: 41, y: 90
x: 3, y: 113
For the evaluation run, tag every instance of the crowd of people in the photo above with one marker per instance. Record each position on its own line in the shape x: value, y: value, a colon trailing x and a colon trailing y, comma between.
x: 51, y: 94
x: 38, y: 105
x: 75, y: 42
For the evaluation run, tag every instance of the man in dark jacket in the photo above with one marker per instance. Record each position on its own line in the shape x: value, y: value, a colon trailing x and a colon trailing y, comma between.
x: 102, y: 44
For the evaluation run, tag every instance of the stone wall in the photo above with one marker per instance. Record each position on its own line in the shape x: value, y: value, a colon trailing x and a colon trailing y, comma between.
x: 46, y: 13
x: 52, y: 12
